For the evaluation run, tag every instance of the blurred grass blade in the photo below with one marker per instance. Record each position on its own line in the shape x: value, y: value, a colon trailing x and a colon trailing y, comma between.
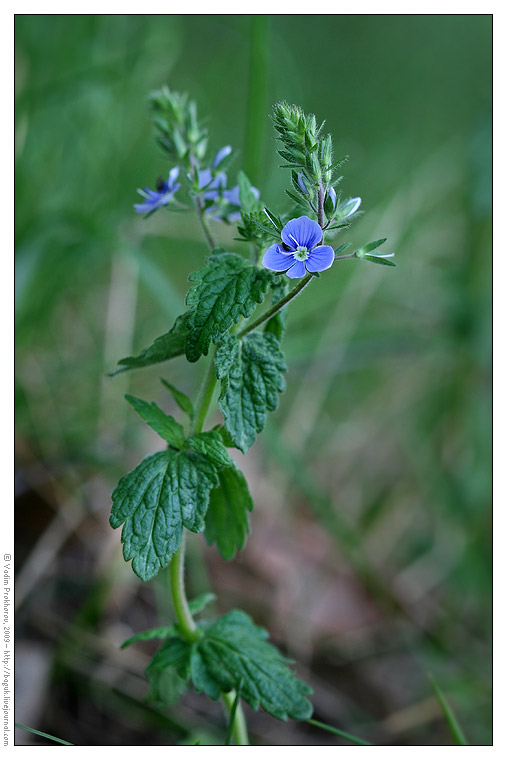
x: 343, y: 734
x: 451, y: 719
x: 230, y: 727
x: 41, y: 733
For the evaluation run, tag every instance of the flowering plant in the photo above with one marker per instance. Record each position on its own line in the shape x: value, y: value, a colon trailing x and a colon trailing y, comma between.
x: 193, y: 484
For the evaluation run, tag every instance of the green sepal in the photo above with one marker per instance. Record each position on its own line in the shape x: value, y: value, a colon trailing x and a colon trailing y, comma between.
x: 166, y: 426
x: 251, y: 374
x: 226, y: 289
x: 341, y: 248
x: 227, y: 521
x: 183, y: 401
x: 167, y: 346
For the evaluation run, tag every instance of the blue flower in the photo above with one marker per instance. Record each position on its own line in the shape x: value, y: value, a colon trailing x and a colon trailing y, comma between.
x: 222, y: 153
x: 301, y: 250
x: 216, y: 190
x: 159, y: 197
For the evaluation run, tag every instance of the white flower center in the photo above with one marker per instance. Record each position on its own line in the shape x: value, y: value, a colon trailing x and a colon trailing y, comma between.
x: 301, y: 253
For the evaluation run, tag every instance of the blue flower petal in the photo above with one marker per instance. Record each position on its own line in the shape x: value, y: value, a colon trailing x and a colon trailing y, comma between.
x: 277, y: 261
x: 320, y: 258
x: 222, y: 153
x: 301, y: 231
x: 296, y: 270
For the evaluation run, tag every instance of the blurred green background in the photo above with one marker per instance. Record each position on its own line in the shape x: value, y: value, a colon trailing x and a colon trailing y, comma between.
x: 369, y: 559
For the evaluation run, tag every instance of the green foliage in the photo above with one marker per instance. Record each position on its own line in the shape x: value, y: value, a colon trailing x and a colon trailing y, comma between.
x: 226, y: 289
x: 183, y: 401
x: 227, y: 516
x: 167, y: 491
x: 211, y: 446
x: 235, y: 654
x: 451, y: 720
x: 250, y: 370
x: 179, y: 132
x: 276, y: 324
x: 161, y: 632
x: 167, y: 346
x: 166, y: 426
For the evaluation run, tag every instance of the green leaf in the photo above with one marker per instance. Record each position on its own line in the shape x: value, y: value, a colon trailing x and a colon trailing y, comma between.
x: 227, y: 517
x: 226, y: 289
x: 211, y: 445
x: 452, y: 721
x: 247, y: 198
x: 166, y: 686
x: 235, y: 654
x: 167, y: 346
x: 376, y: 259
x: 167, y: 491
x: 341, y: 248
x: 200, y: 602
x: 166, y: 426
x: 275, y: 220
x: 276, y: 325
x: 250, y: 370
x: 372, y: 246
x: 181, y: 398
x: 174, y: 653
x: 162, y: 632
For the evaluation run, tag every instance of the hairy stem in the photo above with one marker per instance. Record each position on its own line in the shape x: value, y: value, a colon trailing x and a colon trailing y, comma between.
x: 204, y: 396
x: 204, y: 224
x: 180, y: 602
x: 268, y: 314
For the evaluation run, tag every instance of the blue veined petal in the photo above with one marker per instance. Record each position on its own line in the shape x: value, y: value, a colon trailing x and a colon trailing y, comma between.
x: 276, y: 260
x: 222, y: 153
x: 320, y: 258
x: 301, y: 231
x: 296, y: 270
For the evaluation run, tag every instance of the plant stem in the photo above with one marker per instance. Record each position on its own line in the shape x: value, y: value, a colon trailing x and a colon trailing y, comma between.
x: 204, y: 224
x: 177, y: 581
x: 293, y: 293
x: 257, y: 101
x: 239, y: 730
x: 204, y: 397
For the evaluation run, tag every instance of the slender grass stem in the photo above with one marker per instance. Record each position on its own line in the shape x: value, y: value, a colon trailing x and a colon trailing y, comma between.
x: 337, y: 732
x: 257, y: 102
x: 41, y: 733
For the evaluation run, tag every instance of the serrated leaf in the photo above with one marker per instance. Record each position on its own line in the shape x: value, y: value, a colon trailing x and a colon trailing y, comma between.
x: 174, y: 653
x: 167, y: 346
x: 167, y: 491
x: 166, y: 686
x: 227, y: 521
x: 162, y: 632
x: 200, y: 602
x: 234, y: 654
x: 226, y: 289
x: 183, y: 401
x: 250, y: 370
x: 211, y: 445
x: 166, y: 426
